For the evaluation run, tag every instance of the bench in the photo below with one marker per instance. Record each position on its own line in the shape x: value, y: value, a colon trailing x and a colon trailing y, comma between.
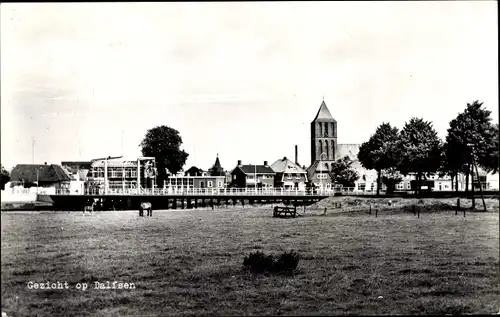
x: 285, y: 211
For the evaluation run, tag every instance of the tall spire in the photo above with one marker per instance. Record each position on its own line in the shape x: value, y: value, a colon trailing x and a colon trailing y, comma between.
x: 324, y: 113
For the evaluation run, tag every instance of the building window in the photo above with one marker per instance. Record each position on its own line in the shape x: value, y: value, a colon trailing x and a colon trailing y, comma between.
x: 209, y: 183
x: 263, y: 176
x: 297, y: 176
x: 361, y: 186
x: 219, y: 184
x: 289, y: 176
x: 234, y: 177
x: 326, y: 129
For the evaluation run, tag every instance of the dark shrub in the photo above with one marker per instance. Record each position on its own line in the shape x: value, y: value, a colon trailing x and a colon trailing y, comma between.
x: 258, y: 262
x: 287, y: 262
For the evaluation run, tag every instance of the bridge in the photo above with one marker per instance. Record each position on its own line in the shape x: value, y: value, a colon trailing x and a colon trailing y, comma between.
x: 219, y: 192
x: 191, y: 198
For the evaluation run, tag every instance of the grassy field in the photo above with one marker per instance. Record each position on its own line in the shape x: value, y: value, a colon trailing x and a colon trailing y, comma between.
x: 189, y: 262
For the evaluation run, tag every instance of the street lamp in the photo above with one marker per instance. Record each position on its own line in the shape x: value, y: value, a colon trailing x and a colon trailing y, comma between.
x: 321, y: 169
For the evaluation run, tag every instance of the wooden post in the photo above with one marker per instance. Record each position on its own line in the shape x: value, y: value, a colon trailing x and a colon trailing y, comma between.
x: 480, y: 186
x: 324, y: 213
x: 413, y: 210
x: 418, y: 212
x: 464, y: 212
x: 242, y: 202
x: 370, y: 209
x: 458, y: 206
x: 376, y: 212
x: 212, y: 203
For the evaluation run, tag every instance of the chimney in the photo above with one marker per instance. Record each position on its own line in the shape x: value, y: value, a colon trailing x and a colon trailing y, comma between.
x: 239, y: 162
x: 265, y: 163
x: 296, y: 155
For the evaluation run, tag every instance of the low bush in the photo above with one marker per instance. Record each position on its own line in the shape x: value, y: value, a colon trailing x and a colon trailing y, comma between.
x: 258, y: 262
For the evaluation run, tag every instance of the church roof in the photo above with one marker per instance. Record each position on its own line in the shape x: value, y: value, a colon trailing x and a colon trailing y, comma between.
x: 217, y: 163
x: 324, y: 113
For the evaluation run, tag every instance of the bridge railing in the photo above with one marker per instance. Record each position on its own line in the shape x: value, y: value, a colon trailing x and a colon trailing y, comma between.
x: 223, y: 192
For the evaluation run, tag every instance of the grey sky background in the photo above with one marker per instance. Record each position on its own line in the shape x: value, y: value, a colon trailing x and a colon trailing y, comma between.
x: 240, y: 79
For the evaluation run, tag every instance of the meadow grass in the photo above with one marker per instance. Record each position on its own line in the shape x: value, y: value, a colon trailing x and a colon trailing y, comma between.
x: 189, y: 262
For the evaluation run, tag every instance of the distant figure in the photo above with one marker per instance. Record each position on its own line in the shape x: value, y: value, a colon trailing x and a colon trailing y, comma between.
x: 146, y: 206
x: 89, y: 207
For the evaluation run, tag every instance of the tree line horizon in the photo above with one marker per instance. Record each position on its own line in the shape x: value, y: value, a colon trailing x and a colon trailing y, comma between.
x: 391, y: 152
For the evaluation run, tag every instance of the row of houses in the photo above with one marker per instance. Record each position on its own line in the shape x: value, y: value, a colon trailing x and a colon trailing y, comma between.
x: 119, y: 174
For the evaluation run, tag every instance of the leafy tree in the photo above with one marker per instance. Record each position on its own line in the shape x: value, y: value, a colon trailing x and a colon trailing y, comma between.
x: 420, y: 149
x: 342, y: 172
x: 380, y: 151
x: 4, y: 177
x: 472, y: 131
x: 391, y: 177
x: 163, y: 143
x: 452, y: 161
x: 492, y: 159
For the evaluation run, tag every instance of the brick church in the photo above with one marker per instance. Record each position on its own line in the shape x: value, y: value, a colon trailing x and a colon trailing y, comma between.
x: 325, y: 150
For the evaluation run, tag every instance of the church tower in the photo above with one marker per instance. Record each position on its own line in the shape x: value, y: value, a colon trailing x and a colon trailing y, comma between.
x: 323, y: 136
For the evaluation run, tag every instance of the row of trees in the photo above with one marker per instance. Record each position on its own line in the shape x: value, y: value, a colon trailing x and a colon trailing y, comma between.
x: 392, y: 153
x: 417, y: 148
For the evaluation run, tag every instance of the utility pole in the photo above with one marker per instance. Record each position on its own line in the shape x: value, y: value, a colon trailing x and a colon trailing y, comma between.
x: 122, y: 143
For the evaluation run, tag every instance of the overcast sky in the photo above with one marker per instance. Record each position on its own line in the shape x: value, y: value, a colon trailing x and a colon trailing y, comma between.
x: 240, y: 79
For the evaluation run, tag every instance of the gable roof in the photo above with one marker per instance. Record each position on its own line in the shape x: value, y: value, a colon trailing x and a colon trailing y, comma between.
x: 194, y: 170
x: 284, y: 165
x: 251, y: 169
x: 46, y: 173
x: 324, y: 114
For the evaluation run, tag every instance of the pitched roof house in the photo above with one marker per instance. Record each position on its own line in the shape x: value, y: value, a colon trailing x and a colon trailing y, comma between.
x: 46, y: 175
x: 194, y: 171
x: 289, y: 174
x: 252, y: 175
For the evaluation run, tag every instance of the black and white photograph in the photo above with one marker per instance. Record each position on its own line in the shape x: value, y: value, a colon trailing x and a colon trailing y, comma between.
x: 315, y: 158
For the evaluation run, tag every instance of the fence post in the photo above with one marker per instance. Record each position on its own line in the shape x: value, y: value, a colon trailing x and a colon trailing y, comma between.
x: 458, y: 206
